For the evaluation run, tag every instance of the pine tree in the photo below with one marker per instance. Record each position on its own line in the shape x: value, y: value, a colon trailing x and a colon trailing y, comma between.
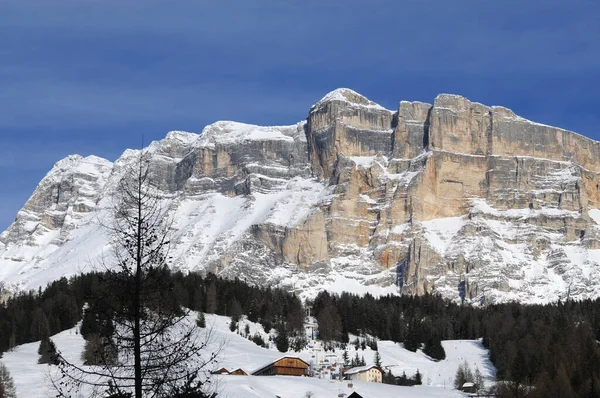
x: 232, y: 325
x: 7, y: 385
x: 460, y: 377
x: 235, y: 310
x: 345, y: 358
x: 200, y: 320
x: 211, y: 297
x: 39, y: 325
x: 377, y: 359
x: 330, y: 323
x: 433, y: 348
x: 99, y: 350
x: 388, y: 378
x: 355, y: 360
x: 418, y: 378
x: 282, y: 341
x: 463, y: 375
x: 478, y: 380
x: 47, y: 352
x: 411, y: 342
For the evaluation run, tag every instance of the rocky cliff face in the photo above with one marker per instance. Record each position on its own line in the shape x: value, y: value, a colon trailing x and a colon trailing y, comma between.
x: 425, y: 198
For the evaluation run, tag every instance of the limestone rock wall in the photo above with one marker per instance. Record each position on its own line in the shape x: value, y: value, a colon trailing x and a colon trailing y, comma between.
x: 419, y: 199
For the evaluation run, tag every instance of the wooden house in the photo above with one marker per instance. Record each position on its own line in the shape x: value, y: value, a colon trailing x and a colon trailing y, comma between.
x: 287, y: 366
x: 221, y: 371
x: 238, y: 372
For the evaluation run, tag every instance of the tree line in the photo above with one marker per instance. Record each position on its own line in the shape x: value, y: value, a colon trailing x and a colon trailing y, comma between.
x: 31, y: 316
x: 538, y: 350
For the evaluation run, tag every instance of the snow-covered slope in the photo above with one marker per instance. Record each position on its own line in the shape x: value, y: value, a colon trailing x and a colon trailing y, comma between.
x: 357, y: 198
x: 34, y: 381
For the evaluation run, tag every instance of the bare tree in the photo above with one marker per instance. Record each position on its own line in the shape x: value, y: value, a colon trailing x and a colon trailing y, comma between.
x: 160, y: 351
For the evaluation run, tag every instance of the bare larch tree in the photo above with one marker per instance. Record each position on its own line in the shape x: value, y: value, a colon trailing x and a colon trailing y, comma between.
x: 149, y: 345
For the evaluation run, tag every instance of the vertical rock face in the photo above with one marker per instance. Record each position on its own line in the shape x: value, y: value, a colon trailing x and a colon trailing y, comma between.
x: 345, y: 122
x: 411, y: 135
x: 420, y: 199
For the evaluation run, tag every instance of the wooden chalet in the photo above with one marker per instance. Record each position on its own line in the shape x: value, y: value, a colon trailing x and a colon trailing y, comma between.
x: 221, y: 371
x: 285, y: 366
x: 235, y: 372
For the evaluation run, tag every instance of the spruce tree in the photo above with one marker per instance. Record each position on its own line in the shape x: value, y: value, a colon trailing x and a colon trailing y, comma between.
x: 7, y: 385
x: 418, y: 378
x: 377, y: 359
x: 235, y: 310
x: 99, y: 350
x: 47, y: 352
x: 200, y: 320
x: 282, y: 341
x: 433, y: 348
x: 478, y: 380
x: 232, y: 325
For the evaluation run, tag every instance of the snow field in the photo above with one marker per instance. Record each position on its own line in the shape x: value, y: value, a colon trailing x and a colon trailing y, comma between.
x: 33, y: 380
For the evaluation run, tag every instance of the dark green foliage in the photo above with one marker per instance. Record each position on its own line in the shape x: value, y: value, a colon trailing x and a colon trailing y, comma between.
x: 61, y: 303
x: 232, y: 325
x: 235, y: 309
x: 282, y: 341
x: 47, y: 352
x: 388, y: 378
x: 200, y: 320
x: 258, y: 340
x: 555, y: 344
x: 377, y: 359
x: 356, y: 361
x: 99, y: 350
x: 30, y: 316
x: 7, y: 384
x: 418, y: 378
x: 433, y: 348
x: 534, y: 345
x: 412, y: 339
x: 299, y: 342
x: 407, y: 381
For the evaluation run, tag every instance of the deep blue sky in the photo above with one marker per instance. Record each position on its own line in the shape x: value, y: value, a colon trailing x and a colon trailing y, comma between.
x: 93, y: 76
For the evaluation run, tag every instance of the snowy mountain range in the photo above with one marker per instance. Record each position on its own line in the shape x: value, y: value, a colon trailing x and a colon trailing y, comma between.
x: 450, y: 197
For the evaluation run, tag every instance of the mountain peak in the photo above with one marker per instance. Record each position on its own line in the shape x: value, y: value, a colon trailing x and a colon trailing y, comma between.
x: 229, y: 132
x: 182, y: 136
x: 348, y: 96
x: 75, y: 161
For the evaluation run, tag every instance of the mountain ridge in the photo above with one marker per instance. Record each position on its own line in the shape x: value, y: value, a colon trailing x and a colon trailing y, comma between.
x: 357, y: 197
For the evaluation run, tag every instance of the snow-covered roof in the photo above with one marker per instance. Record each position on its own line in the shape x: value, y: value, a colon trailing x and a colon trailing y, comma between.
x: 468, y: 385
x: 360, y: 369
